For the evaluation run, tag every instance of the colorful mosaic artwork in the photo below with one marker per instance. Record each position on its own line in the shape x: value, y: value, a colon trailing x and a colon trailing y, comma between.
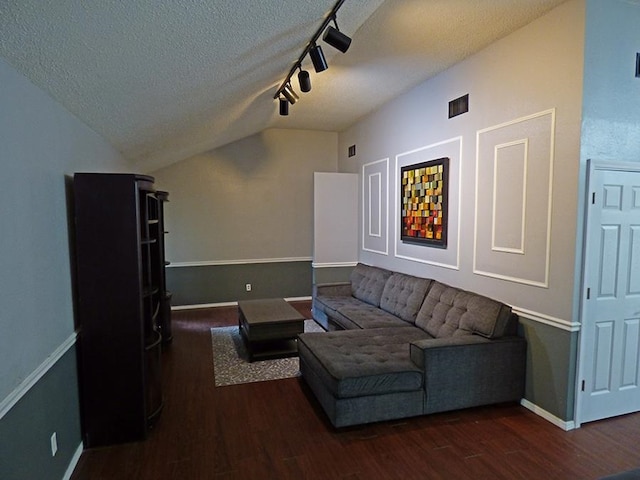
x: 423, y: 192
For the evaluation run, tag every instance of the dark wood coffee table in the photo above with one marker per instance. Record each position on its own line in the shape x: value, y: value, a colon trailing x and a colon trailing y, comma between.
x: 269, y: 328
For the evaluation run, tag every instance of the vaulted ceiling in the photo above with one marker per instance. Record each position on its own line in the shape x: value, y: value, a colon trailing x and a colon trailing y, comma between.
x: 163, y: 80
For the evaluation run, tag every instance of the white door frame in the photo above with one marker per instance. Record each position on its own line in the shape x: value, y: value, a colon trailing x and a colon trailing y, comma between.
x: 592, y: 167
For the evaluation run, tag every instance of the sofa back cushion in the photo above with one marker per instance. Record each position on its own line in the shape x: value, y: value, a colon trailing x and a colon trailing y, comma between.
x: 403, y: 296
x: 449, y: 311
x: 367, y: 283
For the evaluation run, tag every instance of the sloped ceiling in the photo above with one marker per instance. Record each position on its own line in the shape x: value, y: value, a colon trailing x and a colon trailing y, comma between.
x: 163, y: 80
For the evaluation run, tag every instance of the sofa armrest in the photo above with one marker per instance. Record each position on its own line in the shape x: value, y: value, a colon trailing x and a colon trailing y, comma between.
x: 332, y: 289
x: 467, y: 371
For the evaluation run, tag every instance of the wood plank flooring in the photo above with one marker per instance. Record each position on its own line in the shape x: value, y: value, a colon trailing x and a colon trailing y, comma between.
x: 276, y: 430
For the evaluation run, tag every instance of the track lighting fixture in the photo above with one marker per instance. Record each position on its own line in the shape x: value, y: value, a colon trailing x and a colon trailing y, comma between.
x: 304, y: 80
x: 335, y: 38
x: 284, y: 107
x: 317, y: 58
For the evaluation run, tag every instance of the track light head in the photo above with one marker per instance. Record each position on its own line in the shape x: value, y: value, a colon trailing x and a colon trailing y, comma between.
x: 336, y: 39
x: 284, y: 106
x: 317, y: 58
x: 290, y: 95
x: 304, y: 80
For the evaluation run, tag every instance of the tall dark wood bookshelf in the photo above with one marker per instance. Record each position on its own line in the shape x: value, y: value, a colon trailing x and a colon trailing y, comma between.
x: 165, y: 300
x: 121, y: 290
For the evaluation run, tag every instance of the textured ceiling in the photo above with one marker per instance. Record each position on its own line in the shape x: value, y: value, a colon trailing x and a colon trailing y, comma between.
x: 166, y: 79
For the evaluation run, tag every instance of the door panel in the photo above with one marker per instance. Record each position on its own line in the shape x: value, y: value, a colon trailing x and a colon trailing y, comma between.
x: 610, y: 344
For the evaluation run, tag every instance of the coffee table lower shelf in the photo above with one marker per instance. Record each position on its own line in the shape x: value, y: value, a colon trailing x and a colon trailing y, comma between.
x: 269, y: 350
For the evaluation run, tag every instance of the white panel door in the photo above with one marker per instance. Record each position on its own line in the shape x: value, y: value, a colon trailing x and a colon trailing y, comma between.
x: 610, y: 343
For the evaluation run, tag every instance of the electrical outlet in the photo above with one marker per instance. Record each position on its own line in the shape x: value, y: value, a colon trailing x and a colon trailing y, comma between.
x: 54, y: 444
x: 248, y: 287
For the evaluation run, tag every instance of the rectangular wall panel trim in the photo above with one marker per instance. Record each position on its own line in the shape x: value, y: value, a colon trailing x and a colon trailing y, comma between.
x: 533, y: 265
x: 375, y: 206
x: 498, y: 242
x: 449, y: 257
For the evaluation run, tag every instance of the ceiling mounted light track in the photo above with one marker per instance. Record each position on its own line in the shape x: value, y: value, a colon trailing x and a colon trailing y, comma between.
x: 332, y: 36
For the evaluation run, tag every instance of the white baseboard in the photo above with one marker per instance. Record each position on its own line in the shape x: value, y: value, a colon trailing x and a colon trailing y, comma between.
x: 566, y: 426
x: 73, y: 463
x: 197, y: 306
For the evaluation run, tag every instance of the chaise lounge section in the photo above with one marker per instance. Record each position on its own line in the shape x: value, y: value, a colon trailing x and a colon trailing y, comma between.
x: 401, y: 346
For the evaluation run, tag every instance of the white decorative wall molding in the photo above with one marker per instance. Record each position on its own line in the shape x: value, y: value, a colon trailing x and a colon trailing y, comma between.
x: 429, y: 262
x: 547, y: 319
x: 375, y: 206
x: 33, y: 378
x: 498, y: 164
x: 440, y: 257
x: 512, y: 239
x: 209, y: 263
x: 334, y: 265
x: 375, y: 217
x: 196, y: 306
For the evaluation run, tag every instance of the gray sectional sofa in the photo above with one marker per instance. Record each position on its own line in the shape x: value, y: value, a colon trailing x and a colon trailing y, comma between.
x: 401, y: 346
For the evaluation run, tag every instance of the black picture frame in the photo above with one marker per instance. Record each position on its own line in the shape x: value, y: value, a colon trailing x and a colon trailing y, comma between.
x: 424, y: 198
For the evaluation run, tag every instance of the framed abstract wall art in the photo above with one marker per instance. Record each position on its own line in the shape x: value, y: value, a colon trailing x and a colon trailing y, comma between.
x: 423, y: 202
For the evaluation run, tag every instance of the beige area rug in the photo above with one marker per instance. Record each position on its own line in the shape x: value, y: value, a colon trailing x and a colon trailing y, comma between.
x: 230, y: 364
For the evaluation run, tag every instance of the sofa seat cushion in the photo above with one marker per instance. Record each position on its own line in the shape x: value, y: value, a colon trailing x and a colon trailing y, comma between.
x: 448, y: 311
x: 332, y: 304
x: 368, y: 316
x: 403, y: 296
x: 357, y: 363
x: 367, y: 283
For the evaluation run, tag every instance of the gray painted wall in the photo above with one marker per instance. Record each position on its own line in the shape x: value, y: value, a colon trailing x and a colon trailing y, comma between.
x: 535, y: 70
x: 208, y: 284
x: 25, y: 432
x: 242, y: 214
x: 332, y: 275
x: 611, y: 103
x: 252, y: 199
x: 41, y: 144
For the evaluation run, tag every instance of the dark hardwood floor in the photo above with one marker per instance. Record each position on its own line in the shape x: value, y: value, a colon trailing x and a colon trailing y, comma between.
x: 275, y: 430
